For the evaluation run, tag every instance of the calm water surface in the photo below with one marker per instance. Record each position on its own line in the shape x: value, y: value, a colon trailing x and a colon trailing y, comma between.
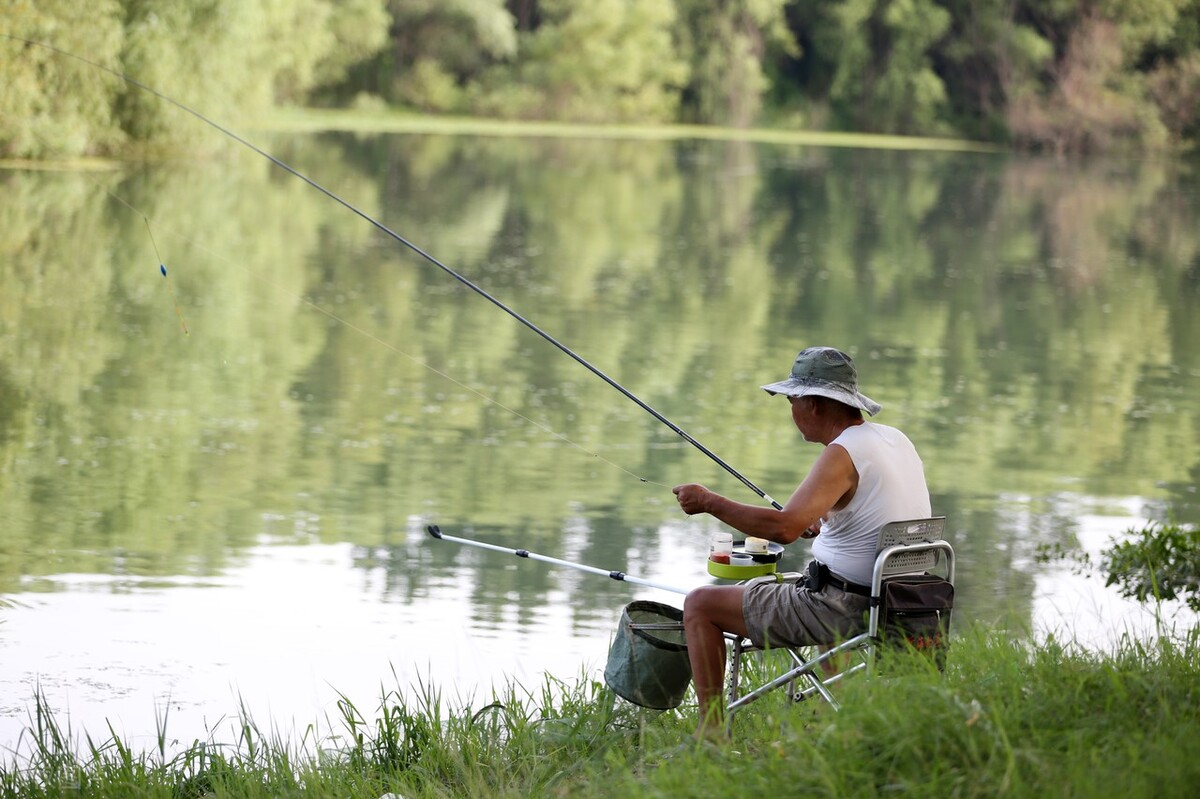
x: 230, y: 522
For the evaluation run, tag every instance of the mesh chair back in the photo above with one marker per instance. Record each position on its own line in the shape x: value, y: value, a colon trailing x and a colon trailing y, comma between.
x: 918, y: 531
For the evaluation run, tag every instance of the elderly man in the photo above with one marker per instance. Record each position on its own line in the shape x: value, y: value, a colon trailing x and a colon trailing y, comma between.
x: 868, y: 475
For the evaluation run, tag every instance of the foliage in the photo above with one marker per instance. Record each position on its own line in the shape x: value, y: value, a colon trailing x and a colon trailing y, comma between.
x: 1005, y: 719
x: 248, y: 55
x: 1096, y: 91
x: 1093, y: 101
x: 1044, y: 74
x: 52, y: 105
x: 727, y: 48
x: 222, y: 57
x: 606, y: 60
x: 359, y: 29
x: 437, y: 48
x: 167, y: 45
x: 991, y: 57
x: 1161, y: 563
x: 884, y: 78
x: 1175, y: 88
x: 1172, y: 67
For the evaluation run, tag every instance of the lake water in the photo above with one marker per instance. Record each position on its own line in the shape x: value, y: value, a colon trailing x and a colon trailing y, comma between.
x: 230, y: 522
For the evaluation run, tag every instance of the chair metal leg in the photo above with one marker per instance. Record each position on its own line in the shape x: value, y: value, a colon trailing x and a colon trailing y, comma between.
x: 808, y: 670
x: 735, y: 664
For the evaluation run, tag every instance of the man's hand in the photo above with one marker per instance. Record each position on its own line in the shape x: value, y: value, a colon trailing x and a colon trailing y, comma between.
x: 813, y: 531
x: 693, y: 498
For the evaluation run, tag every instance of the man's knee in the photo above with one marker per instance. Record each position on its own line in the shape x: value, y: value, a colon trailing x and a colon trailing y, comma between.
x: 699, y: 602
x: 720, y: 605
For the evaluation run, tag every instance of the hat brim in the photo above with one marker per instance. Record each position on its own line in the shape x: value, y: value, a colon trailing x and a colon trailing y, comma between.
x: 798, y: 388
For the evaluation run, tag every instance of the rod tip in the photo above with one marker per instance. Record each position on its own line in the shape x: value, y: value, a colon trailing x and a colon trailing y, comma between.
x: 434, y: 531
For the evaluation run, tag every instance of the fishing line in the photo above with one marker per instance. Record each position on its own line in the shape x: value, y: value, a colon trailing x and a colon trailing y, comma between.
x: 414, y: 248
x: 371, y: 336
x: 366, y: 333
x: 162, y: 266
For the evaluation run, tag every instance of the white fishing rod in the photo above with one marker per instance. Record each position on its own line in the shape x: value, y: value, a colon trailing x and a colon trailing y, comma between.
x: 619, y: 576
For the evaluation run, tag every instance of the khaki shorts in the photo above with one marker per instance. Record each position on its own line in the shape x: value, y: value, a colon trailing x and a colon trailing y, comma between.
x: 789, y: 614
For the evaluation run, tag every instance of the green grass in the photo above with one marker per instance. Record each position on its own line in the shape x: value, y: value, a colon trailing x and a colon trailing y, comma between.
x: 1004, y: 720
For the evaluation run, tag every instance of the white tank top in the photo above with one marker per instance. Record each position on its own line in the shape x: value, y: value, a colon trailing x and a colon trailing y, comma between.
x: 891, y: 488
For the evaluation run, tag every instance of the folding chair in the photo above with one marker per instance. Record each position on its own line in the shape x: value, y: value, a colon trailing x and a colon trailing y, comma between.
x: 904, y: 549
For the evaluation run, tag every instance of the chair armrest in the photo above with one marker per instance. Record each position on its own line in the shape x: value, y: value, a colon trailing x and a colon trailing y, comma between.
x: 781, y: 577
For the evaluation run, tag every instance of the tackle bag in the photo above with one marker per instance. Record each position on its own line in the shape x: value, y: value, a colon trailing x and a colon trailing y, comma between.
x: 915, y: 614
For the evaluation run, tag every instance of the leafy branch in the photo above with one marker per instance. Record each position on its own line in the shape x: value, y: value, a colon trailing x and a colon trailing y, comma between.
x: 1162, y: 563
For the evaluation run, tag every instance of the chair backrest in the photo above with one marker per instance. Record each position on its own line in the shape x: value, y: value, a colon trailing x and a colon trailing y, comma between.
x: 907, y: 533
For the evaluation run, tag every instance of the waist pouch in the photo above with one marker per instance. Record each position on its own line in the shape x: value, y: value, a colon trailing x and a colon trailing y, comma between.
x: 818, y: 576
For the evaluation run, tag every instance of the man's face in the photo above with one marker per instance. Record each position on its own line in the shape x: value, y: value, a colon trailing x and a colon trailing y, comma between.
x: 802, y: 413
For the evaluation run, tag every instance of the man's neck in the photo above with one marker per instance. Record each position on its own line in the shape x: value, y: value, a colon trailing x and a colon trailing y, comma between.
x: 836, y: 427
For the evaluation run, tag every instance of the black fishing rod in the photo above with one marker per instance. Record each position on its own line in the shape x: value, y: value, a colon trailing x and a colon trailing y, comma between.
x: 396, y: 236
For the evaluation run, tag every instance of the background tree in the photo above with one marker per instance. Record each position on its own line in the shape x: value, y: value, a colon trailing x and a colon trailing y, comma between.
x: 726, y: 46
x: 1172, y: 66
x: 1094, y: 92
x: 226, y: 58
x: 606, y: 60
x: 434, y: 50
x: 234, y: 56
x: 884, y: 78
x: 987, y: 59
x: 1043, y: 74
x: 51, y: 105
x: 360, y: 29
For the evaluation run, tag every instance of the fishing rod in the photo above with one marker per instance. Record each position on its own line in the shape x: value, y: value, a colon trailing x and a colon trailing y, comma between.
x: 413, y: 247
x: 619, y: 576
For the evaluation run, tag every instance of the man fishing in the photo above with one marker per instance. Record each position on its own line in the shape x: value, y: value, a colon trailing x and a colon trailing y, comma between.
x: 868, y: 475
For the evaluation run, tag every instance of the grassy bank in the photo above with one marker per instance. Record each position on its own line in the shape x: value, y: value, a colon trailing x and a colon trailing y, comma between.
x: 316, y: 120
x: 1004, y: 720
x: 370, y: 122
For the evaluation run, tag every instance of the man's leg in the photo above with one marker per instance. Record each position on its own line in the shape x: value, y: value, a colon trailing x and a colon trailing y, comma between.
x: 708, y: 613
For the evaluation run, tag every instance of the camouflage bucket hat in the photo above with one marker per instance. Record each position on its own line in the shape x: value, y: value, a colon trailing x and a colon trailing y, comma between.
x: 825, y: 372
